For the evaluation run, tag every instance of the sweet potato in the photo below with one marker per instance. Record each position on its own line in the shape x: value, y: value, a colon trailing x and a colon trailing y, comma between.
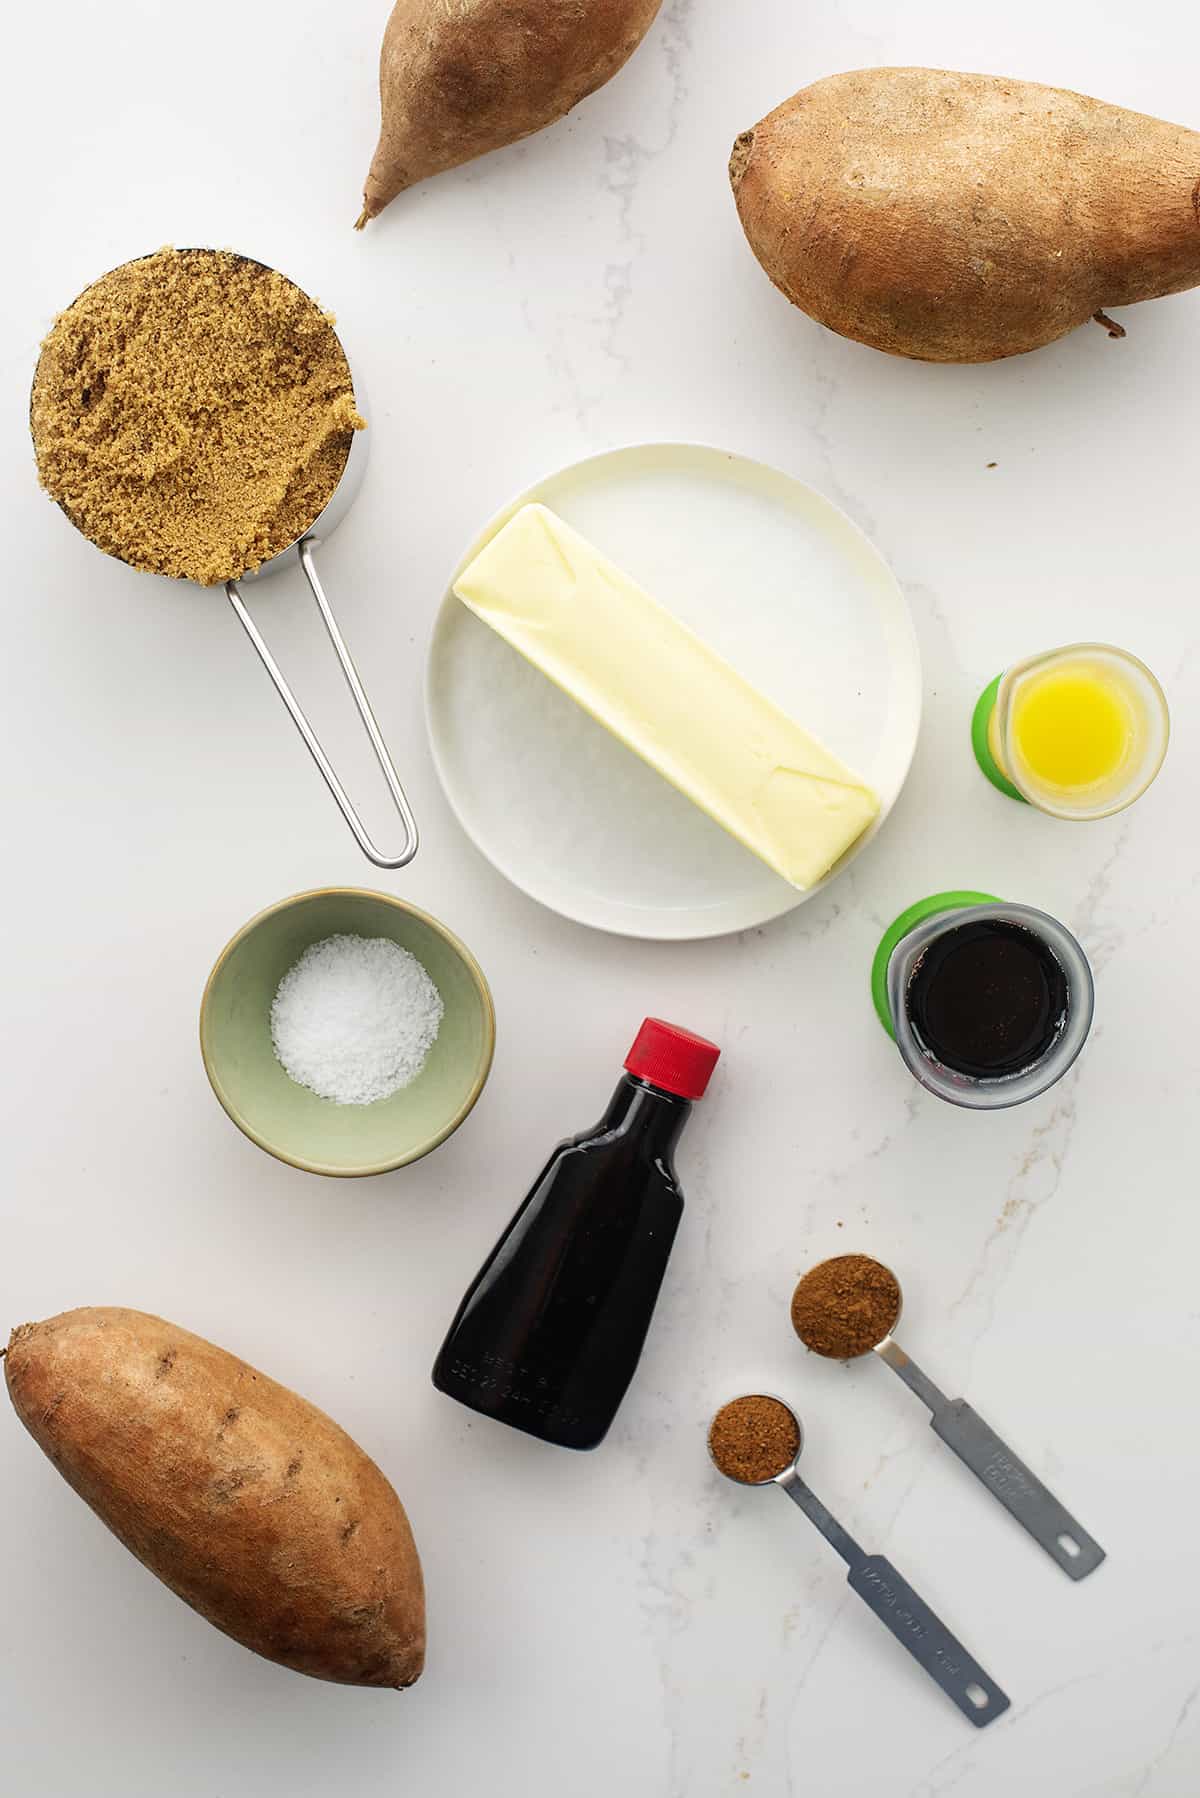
x: 247, y: 1501
x: 458, y: 78
x: 961, y: 218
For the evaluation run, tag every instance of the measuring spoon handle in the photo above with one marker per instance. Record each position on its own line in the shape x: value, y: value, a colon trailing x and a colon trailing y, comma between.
x: 927, y: 1639
x: 1018, y: 1488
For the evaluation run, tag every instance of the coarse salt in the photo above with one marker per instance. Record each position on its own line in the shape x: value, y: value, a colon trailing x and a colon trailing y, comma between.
x: 355, y: 1018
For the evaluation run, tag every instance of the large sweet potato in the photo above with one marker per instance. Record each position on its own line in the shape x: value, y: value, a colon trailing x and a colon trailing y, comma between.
x: 244, y: 1499
x: 458, y: 78
x: 960, y: 218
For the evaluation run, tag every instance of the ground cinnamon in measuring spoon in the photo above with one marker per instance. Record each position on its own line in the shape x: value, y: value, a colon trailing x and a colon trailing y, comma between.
x: 752, y: 1439
x: 843, y: 1307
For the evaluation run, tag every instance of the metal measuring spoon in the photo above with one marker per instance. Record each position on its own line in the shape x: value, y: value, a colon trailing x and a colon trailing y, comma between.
x: 978, y: 1447
x: 883, y: 1590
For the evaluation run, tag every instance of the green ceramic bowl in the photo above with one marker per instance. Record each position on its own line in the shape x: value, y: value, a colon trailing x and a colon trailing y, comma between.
x: 286, y: 1119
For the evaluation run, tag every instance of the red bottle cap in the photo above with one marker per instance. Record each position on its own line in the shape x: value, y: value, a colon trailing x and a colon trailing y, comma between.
x: 674, y: 1059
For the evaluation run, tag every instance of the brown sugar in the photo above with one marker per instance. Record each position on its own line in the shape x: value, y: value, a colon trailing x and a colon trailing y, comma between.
x: 192, y: 413
x: 754, y: 1438
x: 845, y: 1306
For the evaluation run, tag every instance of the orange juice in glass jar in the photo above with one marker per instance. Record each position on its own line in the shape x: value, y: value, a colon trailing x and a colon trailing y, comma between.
x: 1079, y: 732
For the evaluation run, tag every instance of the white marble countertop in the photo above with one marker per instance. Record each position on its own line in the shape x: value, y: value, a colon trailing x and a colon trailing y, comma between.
x: 621, y: 1622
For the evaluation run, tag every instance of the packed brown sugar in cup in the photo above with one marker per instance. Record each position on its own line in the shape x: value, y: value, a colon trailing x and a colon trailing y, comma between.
x: 192, y: 413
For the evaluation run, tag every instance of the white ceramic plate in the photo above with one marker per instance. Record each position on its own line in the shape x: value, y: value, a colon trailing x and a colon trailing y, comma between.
x: 781, y: 584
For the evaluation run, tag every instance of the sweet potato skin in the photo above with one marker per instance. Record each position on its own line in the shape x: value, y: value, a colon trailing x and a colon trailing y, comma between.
x: 248, y: 1502
x: 962, y: 218
x: 458, y: 78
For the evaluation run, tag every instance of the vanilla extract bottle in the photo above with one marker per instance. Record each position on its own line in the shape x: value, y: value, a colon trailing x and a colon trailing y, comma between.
x: 550, y: 1332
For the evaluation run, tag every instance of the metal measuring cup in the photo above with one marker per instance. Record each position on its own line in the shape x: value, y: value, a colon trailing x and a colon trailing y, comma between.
x: 888, y: 1594
x: 304, y: 547
x: 988, y: 1457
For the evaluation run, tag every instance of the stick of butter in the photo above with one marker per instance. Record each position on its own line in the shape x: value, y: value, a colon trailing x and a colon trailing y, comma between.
x: 666, y: 695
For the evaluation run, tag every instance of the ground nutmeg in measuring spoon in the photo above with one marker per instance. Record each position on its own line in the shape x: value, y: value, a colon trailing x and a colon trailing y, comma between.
x: 192, y: 412
x: 753, y: 1439
x: 845, y: 1306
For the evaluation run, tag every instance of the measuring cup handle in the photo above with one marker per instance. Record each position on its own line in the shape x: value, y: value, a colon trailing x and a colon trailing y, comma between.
x: 1018, y: 1488
x: 927, y: 1639
x: 312, y: 741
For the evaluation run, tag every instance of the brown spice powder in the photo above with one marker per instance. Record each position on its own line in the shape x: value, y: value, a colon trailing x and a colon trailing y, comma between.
x: 192, y: 413
x: 752, y: 1439
x: 843, y: 1307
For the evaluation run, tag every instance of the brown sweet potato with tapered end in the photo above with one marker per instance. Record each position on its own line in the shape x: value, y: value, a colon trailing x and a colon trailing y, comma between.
x: 458, y: 78
x: 961, y: 218
x: 248, y: 1502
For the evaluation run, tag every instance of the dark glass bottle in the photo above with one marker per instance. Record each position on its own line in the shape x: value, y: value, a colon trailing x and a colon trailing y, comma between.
x: 551, y: 1330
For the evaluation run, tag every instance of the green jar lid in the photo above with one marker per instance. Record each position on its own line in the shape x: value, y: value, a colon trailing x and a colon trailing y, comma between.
x: 980, y: 719
x: 916, y: 914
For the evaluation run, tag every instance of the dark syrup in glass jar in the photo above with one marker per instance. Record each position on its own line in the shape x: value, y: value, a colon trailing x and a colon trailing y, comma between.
x: 988, y: 999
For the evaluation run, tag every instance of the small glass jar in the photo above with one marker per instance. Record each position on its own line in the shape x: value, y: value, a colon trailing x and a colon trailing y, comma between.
x: 1128, y: 705
x: 899, y: 957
